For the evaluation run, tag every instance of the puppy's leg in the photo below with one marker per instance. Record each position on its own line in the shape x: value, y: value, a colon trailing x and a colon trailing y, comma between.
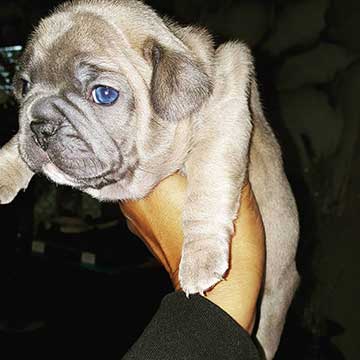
x: 216, y: 169
x: 210, y: 208
x: 14, y: 173
x: 279, y: 213
x: 274, y: 306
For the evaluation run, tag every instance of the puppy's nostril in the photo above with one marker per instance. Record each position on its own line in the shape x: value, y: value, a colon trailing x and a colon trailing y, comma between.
x: 43, y: 130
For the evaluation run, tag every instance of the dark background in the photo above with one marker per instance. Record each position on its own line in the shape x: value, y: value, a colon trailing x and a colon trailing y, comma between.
x: 307, y: 59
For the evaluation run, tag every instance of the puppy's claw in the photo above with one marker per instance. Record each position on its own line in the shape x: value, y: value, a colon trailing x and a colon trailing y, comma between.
x: 221, y: 277
x: 187, y: 293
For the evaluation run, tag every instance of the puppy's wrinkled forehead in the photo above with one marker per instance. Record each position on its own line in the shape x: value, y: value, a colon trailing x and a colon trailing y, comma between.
x: 57, y: 46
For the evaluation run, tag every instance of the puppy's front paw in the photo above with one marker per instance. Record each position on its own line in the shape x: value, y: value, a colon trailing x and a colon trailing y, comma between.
x: 7, y: 194
x: 202, y: 266
x: 12, y: 180
x: 14, y: 173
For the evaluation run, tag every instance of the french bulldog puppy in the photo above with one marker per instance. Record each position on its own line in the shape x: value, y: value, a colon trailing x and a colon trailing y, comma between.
x: 113, y: 99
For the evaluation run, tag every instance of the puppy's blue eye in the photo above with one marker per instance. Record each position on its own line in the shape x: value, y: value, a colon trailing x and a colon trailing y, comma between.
x: 104, y: 95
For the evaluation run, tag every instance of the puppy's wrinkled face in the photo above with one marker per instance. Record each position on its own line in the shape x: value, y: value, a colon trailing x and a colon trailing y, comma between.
x: 102, y: 89
x: 76, y: 107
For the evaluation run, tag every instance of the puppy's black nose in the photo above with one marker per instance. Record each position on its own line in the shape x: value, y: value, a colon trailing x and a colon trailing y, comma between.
x: 43, y: 131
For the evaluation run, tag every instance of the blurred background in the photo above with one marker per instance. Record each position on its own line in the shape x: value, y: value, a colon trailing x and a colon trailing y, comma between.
x: 72, y: 276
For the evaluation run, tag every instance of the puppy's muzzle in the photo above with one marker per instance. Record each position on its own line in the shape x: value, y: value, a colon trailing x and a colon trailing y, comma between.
x: 46, y: 121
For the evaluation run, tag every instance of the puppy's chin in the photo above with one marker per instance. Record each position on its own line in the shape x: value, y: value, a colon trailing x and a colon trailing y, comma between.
x: 61, y: 177
x: 58, y: 176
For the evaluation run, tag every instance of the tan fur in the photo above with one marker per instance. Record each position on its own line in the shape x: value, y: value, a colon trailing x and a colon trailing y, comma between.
x: 196, y: 109
x: 15, y: 174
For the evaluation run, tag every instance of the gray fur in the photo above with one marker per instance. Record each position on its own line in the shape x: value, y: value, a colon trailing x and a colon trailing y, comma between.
x: 182, y: 105
x: 179, y: 85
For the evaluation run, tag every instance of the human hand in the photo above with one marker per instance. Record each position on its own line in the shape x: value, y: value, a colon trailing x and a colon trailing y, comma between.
x: 157, y: 219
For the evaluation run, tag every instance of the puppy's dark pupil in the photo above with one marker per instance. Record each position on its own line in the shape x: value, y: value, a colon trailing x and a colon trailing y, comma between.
x: 25, y: 87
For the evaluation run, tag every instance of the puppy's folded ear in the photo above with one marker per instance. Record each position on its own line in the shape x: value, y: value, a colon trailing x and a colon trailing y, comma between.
x: 179, y: 84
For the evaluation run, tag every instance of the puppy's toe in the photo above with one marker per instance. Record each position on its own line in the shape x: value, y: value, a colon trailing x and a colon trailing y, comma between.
x: 200, y: 270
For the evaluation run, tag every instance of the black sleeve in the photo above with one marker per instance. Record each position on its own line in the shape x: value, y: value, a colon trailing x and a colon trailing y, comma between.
x: 192, y: 329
